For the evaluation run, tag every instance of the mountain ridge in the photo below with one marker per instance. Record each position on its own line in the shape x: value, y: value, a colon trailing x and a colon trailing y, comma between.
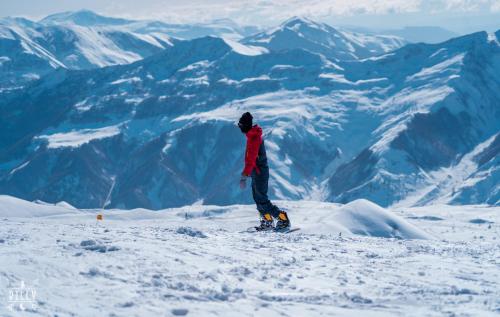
x: 83, y: 17
x: 301, y: 32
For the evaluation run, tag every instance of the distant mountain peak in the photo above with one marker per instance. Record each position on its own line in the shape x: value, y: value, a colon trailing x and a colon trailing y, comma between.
x: 300, y: 32
x: 224, y: 21
x: 296, y: 25
x: 83, y: 17
x: 298, y: 19
x: 300, y: 23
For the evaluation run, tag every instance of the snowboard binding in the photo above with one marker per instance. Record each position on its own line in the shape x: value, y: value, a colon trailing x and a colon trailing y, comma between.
x: 283, y: 223
x: 266, y: 223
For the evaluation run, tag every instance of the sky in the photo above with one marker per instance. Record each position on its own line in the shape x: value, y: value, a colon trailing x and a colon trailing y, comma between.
x: 460, y: 16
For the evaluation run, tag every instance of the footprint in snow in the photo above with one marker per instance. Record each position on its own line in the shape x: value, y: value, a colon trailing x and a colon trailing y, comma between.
x: 429, y: 218
x: 92, y: 245
x: 480, y: 221
x: 191, y: 232
x: 179, y: 311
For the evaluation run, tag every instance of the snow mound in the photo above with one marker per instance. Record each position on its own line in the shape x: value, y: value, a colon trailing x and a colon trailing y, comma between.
x: 14, y: 207
x: 65, y: 205
x: 362, y: 217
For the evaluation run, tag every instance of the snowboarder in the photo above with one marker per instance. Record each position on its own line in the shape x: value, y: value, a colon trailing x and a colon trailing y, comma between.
x: 256, y: 167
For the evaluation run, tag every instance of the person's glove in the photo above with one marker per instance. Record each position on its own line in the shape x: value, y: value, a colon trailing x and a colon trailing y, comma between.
x: 243, y: 181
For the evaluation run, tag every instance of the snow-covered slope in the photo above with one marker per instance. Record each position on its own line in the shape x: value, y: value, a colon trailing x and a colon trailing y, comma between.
x: 17, y: 208
x: 82, y: 18
x: 482, y: 185
x: 30, y: 50
x: 444, y: 106
x: 84, y: 40
x: 22, y: 59
x: 360, y: 217
x: 219, y: 27
x: 196, y: 260
x: 302, y: 33
x: 474, y: 178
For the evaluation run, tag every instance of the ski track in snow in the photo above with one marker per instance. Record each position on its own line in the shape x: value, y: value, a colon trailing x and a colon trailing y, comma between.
x: 194, y: 261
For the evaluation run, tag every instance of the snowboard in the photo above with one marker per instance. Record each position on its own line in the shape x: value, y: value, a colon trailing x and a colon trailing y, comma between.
x: 290, y: 230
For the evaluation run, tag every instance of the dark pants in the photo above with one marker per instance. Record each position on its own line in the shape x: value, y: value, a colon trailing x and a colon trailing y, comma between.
x: 259, y: 192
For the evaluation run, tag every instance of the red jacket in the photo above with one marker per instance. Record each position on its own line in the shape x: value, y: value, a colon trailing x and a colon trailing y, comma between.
x: 254, y: 140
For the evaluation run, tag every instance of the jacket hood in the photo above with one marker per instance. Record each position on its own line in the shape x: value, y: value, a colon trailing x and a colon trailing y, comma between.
x: 255, y: 131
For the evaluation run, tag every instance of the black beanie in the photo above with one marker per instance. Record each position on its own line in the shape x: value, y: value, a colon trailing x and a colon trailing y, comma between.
x: 245, y: 122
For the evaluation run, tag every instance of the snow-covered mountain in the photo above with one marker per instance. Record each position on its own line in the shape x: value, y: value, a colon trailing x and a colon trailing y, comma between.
x: 30, y: 50
x: 83, y: 18
x: 219, y: 27
x: 302, y: 33
x: 86, y: 40
x: 440, y: 125
x: 416, y: 125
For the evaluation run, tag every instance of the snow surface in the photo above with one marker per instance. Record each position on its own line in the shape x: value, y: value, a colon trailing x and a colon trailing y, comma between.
x: 248, y: 50
x: 447, y: 181
x: 195, y: 261
x: 73, y: 40
x: 79, y: 137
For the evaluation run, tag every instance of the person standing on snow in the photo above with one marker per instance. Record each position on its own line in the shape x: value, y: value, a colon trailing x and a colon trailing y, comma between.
x: 256, y: 167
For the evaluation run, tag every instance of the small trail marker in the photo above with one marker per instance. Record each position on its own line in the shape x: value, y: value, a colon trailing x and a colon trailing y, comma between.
x: 100, y: 216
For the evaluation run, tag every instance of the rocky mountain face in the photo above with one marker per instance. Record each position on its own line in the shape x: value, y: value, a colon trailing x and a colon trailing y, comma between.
x: 345, y: 116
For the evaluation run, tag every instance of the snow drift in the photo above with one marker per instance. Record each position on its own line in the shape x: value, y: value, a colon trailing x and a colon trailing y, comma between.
x: 363, y: 217
x: 360, y: 217
x: 11, y: 207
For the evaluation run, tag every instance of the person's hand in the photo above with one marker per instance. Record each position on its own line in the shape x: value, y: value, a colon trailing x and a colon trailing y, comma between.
x: 243, y: 181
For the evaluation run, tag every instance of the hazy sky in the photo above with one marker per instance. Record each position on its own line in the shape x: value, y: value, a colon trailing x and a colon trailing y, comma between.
x: 462, y: 16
